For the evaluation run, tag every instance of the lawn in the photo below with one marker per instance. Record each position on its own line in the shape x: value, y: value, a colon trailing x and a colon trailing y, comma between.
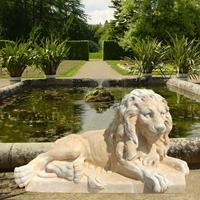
x: 166, y: 69
x: 114, y: 65
x: 96, y: 55
x: 67, y: 68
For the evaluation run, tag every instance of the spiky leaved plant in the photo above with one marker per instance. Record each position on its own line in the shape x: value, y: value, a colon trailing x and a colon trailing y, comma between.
x: 184, y: 54
x: 15, y: 58
x: 49, y: 55
x: 148, y: 54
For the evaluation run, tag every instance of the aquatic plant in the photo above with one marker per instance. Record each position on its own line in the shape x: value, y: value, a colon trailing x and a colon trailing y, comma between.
x: 99, y: 95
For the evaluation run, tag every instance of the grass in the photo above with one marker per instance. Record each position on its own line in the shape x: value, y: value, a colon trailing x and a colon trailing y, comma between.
x: 72, y: 71
x: 96, y: 55
x: 167, y: 69
x: 114, y: 65
x: 67, y: 68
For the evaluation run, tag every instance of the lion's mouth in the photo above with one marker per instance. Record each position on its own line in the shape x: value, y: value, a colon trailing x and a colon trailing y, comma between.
x: 158, y: 130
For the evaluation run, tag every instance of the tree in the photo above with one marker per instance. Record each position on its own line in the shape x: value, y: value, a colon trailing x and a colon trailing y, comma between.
x: 14, y: 19
x: 123, y: 14
x: 161, y: 18
x: 63, y: 18
x: 106, y: 32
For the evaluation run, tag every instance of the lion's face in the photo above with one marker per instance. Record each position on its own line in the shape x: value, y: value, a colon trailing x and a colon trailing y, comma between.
x: 142, y: 113
x: 154, y: 119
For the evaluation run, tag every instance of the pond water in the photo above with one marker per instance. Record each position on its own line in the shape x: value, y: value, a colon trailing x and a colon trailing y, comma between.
x: 43, y: 115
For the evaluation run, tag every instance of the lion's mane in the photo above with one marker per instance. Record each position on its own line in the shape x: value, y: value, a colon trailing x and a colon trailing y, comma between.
x: 126, y: 135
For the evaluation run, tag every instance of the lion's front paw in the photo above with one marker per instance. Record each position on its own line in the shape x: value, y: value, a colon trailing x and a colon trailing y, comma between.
x: 182, y: 166
x: 155, y: 182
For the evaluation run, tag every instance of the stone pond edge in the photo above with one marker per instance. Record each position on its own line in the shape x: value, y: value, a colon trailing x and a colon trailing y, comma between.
x: 77, y: 82
x: 183, y: 87
x: 17, y: 154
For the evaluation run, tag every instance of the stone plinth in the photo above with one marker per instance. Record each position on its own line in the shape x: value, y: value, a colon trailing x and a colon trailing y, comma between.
x: 106, y: 182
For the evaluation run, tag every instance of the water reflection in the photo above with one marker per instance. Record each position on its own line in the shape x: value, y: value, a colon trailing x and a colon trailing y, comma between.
x: 93, y: 119
x: 45, y: 115
x: 40, y: 116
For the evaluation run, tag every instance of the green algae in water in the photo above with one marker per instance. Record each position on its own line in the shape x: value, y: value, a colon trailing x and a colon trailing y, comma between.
x: 42, y: 115
x: 48, y: 114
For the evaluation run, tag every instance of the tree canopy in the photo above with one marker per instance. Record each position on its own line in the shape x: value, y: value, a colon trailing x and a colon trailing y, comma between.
x: 64, y: 18
x: 155, y: 18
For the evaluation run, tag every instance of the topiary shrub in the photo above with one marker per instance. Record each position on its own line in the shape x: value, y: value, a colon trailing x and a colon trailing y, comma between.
x: 79, y: 50
x: 112, y: 50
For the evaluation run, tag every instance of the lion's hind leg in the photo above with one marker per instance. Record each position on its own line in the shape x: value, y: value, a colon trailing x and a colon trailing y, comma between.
x: 67, y: 149
x: 62, y: 169
x: 70, y: 170
x: 78, y: 169
x: 24, y: 174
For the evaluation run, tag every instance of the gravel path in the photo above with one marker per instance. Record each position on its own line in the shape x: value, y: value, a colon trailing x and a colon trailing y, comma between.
x: 97, y: 69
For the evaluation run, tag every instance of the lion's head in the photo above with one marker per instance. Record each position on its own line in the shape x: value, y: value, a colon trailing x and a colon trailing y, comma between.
x: 142, y: 118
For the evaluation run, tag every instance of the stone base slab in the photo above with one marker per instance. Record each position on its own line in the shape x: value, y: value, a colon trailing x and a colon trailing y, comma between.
x: 107, y: 182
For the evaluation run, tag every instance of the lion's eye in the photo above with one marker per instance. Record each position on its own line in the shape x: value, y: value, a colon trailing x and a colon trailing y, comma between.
x: 147, y: 114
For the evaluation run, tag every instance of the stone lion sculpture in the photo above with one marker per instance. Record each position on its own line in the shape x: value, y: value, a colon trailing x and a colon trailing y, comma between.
x: 134, y: 144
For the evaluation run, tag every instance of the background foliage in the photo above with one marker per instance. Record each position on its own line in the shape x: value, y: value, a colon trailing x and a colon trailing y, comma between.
x: 156, y: 19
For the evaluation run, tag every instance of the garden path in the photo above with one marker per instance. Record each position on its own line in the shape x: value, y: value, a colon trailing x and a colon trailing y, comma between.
x: 4, y: 82
x: 97, y: 69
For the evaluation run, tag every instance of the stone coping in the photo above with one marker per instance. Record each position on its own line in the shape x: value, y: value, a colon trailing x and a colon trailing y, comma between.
x: 177, y: 85
x: 11, y: 89
x: 17, y: 154
x: 186, y: 88
x: 78, y: 82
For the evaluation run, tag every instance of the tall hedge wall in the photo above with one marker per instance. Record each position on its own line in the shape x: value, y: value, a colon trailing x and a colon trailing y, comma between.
x: 79, y: 50
x: 112, y: 50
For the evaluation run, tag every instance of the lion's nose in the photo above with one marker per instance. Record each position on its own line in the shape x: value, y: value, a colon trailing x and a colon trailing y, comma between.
x: 160, y: 128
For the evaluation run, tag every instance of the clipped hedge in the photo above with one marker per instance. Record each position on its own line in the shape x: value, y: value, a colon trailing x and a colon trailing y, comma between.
x: 79, y: 50
x: 112, y: 50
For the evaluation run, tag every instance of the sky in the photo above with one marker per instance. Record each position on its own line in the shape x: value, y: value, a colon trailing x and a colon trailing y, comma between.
x: 98, y: 11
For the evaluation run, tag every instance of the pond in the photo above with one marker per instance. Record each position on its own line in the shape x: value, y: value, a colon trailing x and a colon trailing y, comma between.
x: 43, y: 115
